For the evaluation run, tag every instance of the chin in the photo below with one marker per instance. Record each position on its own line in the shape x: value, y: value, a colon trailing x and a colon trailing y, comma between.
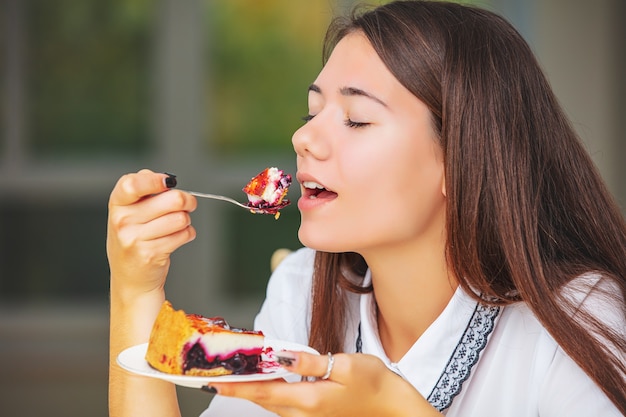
x: 323, y: 242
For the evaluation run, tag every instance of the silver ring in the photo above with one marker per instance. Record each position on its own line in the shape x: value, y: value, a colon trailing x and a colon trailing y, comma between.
x: 329, y: 368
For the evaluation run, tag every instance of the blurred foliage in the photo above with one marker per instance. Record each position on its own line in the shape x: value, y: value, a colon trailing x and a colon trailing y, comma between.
x: 87, y: 66
x: 88, y: 73
x: 263, y: 56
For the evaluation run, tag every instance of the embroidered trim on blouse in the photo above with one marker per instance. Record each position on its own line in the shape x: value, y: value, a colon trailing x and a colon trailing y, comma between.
x: 464, y: 357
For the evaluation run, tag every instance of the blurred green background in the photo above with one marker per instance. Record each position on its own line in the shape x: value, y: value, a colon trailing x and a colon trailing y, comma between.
x: 212, y: 91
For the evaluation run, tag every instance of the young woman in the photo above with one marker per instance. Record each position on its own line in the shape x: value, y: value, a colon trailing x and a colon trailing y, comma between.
x: 463, y: 255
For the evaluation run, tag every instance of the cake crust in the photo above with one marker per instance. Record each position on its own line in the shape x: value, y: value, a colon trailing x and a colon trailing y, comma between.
x: 190, y: 344
x: 169, y: 329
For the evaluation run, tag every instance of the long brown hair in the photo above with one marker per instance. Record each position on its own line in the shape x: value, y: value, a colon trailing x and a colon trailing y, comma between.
x: 527, y: 211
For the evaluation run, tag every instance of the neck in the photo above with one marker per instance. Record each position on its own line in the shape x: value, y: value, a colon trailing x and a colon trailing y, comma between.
x: 412, y: 286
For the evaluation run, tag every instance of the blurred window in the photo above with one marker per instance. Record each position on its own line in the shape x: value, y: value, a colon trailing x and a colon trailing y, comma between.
x: 87, y: 75
x: 53, y: 251
x: 82, y: 90
x: 75, y: 84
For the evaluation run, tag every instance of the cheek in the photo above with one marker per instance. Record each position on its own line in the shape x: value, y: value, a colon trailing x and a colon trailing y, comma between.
x: 398, y: 194
x: 384, y: 177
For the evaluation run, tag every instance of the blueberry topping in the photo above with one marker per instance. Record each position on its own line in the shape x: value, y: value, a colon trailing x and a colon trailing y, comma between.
x: 239, y: 363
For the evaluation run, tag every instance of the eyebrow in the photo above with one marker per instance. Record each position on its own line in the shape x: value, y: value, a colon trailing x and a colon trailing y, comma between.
x: 350, y: 91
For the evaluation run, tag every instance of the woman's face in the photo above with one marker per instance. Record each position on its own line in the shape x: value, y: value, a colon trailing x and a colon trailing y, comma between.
x: 369, y: 165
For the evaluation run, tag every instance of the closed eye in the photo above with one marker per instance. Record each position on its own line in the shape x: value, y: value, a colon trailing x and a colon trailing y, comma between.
x: 354, y: 124
x: 347, y: 122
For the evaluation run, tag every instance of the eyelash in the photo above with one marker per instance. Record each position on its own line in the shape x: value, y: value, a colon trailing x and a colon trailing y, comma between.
x: 354, y: 125
x: 347, y: 122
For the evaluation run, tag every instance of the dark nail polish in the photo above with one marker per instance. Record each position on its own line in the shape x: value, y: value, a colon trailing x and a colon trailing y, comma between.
x: 170, y: 180
x: 209, y: 389
x: 284, y: 359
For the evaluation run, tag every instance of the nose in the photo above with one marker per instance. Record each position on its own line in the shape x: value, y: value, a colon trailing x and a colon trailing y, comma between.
x: 308, y: 141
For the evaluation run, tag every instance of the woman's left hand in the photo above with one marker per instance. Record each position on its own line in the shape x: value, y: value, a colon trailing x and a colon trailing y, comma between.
x: 358, y: 385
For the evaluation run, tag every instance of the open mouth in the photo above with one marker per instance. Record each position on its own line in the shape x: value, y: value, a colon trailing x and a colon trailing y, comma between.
x: 313, y: 190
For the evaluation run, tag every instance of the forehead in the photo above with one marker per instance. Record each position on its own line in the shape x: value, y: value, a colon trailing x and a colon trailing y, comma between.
x: 355, y: 63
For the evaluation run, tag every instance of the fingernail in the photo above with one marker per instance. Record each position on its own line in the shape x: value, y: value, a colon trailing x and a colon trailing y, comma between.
x: 170, y: 180
x: 209, y: 389
x: 285, y: 358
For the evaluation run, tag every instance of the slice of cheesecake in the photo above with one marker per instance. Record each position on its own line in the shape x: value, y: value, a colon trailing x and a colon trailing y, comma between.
x: 190, y: 344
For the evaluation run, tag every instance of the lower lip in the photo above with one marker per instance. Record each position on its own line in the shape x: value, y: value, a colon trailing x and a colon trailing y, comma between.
x: 310, y: 203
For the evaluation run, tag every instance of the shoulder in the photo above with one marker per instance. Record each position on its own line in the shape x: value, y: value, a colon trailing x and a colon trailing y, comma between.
x: 293, y: 274
x: 596, y: 296
x: 298, y: 258
x: 565, y: 387
x: 285, y: 313
x: 523, y: 348
x: 591, y: 287
x: 590, y: 295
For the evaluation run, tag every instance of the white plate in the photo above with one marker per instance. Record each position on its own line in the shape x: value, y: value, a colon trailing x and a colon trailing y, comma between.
x: 133, y: 360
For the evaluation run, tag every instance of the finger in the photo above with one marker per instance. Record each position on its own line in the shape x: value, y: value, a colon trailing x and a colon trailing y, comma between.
x: 165, y: 225
x: 307, y: 364
x: 149, y: 209
x: 131, y: 188
x: 162, y: 246
x: 279, y: 395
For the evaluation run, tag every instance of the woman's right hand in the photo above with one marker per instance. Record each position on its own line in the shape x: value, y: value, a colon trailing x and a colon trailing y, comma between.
x: 147, y: 222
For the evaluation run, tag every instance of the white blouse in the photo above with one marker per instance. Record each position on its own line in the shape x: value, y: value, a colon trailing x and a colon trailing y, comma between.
x: 520, y: 372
